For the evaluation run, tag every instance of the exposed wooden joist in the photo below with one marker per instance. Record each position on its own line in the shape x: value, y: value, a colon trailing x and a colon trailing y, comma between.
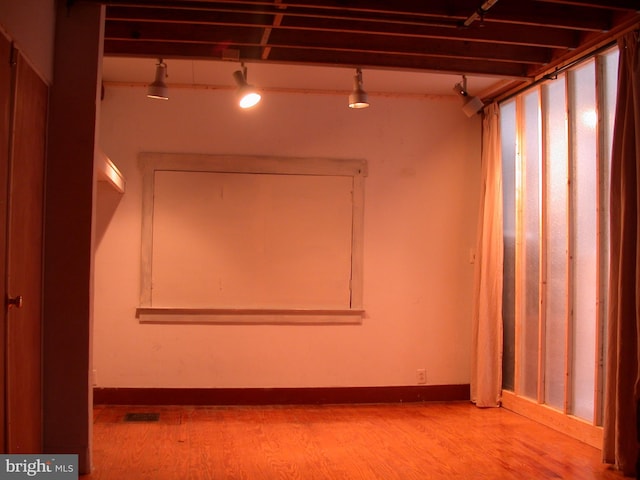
x: 631, y: 5
x: 515, y: 39
x: 498, y: 33
x: 382, y: 61
x: 322, y: 58
x: 505, y: 34
x: 196, y: 51
x: 277, y: 20
x: 411, y: 46
x: 550, y: 15
x: 545, y: 16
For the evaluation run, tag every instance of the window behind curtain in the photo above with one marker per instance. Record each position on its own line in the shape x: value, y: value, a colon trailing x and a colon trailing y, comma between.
x: 556, y: 142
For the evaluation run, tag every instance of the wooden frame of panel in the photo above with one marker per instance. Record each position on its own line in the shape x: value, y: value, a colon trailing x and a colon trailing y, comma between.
x: 588, y: 431
x: 152, y: 162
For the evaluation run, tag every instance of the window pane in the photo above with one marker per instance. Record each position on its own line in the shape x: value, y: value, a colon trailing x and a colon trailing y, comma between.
x: 582, y: 83
x: 528, y: 370
x: 556, y: 241
x: 508, y: 140
x: 610, y: 61
x: 556, y: 225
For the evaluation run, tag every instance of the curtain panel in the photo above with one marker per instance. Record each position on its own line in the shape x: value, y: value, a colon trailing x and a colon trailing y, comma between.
x: 620, y: 442
x: 486, y: 369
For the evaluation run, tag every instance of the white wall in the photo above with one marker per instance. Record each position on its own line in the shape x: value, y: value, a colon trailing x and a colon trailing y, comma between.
x: 31, y: 25
x: 420, y: 220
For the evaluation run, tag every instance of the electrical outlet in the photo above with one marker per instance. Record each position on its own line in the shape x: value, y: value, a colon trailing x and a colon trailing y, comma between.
x: 421, y: 376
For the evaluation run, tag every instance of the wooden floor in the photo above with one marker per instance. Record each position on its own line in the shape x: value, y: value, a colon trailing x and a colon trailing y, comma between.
x: 403, y: 442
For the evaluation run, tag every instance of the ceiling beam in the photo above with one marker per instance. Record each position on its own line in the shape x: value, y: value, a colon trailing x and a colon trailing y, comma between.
x: 539, y: 36
x: 630, y: 5
x: 302, y: 56
x: 514, y: 39
x: 266, y: 33
x: 536, y: 15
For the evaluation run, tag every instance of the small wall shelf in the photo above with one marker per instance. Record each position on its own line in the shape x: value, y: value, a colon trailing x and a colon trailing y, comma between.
x: 272, y: 316
x: 108, y: 172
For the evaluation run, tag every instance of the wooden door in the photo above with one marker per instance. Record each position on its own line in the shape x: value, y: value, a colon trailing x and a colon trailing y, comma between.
x: 5, y: 102
x: 24, y: 260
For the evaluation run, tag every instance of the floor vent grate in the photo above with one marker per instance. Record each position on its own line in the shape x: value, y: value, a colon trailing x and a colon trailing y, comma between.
x: 141, y: 417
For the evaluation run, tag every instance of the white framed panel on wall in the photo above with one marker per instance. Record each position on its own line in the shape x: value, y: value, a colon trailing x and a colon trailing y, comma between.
x: 251, y: 239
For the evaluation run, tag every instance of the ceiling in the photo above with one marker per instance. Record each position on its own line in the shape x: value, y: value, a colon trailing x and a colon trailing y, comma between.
x: 510, y: 42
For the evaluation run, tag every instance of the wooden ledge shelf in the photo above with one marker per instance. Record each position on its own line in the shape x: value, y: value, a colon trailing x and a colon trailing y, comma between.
x: 108, y: 172
x: 250, y: 316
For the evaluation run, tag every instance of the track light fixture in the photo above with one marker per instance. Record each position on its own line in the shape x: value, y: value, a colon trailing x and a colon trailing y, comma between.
x: 358, y: 98
x: 158, y: 89
x: 471, y: 105
x: 248, y: 95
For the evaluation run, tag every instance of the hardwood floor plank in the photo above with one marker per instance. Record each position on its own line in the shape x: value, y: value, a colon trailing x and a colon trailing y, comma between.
x: 353, y: 442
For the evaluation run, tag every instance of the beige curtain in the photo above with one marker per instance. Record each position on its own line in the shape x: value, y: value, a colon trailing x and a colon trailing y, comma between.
x: 620, y: 446
x: 486, y: 370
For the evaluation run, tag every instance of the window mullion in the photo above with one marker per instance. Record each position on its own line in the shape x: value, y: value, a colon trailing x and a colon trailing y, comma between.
x: 542, y: 315
x: 602, y: 238
x: 519, y: 249
x: 570, y: 247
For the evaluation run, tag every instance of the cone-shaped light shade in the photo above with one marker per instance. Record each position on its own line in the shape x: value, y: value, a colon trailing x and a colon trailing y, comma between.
x: 248, y: 96
x: 358, y: 98
x: 158, y: 89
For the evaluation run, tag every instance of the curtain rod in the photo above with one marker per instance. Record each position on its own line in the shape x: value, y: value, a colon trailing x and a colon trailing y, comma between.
x: 554, y: 74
